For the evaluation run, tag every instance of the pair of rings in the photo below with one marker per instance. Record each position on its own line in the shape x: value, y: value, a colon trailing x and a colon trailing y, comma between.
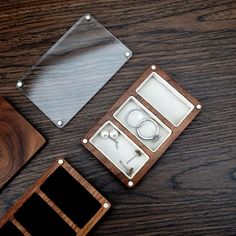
x: 136, y: 119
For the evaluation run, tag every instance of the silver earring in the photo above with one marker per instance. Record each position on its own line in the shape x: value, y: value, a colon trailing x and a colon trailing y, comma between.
x: 104, y: 134
x: 137, y: 153
x: 113, y: 134
x: 129, y: 171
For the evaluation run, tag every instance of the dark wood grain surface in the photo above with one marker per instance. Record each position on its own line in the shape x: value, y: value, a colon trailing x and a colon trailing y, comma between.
x: 191, y: 190
x: 19, y: 141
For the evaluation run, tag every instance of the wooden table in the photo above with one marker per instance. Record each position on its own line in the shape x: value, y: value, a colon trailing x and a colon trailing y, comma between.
x: 192, y: 188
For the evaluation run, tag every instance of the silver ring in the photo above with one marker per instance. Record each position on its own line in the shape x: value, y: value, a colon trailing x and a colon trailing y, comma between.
x: 127, y: 117
x: 155, y: 136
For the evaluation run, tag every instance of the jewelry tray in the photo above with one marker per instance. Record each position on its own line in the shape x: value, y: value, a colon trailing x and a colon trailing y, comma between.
x: 161, y: 103
x: 61, y: 202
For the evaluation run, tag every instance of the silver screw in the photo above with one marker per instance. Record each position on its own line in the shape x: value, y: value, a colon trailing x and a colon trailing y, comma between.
x: 106, y: 205
x: 198, y: 106
x: 59, y: 123
x: 60, y: 162
x: 127, y: 54
x: 19, y: 84
x: 130, y: 183
x: 153, y: 67
x: 88, y: 17
x: 85, y: 140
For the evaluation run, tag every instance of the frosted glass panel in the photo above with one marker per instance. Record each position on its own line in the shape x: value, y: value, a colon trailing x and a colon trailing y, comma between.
x: 165, y: 99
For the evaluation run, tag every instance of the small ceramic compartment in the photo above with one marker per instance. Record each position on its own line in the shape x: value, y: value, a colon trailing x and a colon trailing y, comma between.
x: 121, y: 151
x: 165, y: 99
x: 126, y: 114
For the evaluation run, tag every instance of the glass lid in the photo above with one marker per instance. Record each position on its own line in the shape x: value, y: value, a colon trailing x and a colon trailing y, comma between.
x: 73, y: 70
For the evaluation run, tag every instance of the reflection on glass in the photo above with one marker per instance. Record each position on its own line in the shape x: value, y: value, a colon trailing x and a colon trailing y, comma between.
x: 74, y: 69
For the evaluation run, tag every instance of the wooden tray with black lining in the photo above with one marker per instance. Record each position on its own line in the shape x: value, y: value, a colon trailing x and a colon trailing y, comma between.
x: 60, y: 203
x: 19, y: 141
x: 153, y: 155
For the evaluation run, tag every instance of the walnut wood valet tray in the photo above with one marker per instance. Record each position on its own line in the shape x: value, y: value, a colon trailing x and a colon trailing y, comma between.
x: 154, y: 103
x: 19, y: 141
x: 60, y: 203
